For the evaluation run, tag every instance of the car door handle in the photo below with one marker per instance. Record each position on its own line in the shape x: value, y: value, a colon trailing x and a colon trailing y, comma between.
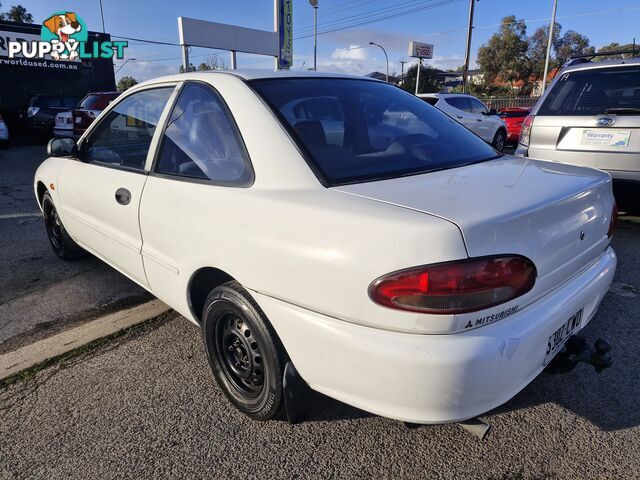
x: 479, y: 119
x: 459, y: 116
x: 123, y: 196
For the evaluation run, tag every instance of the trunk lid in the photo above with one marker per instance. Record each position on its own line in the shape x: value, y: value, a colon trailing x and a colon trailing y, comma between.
x: 556, y: 215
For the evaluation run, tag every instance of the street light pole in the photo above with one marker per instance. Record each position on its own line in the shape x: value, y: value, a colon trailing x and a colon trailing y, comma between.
x: 102, y: 16
x: 549, y: 44
x: 402, y: 62
x: 385, y: 56
x: 314, y: 4
x: 467, y: 55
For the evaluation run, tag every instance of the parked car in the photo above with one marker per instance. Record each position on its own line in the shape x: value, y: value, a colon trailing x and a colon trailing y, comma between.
x: 427, y: 279
x: 4, y: 133
x: 63, y: 126
x: 89, y: 108
x: 471, y: 113
x: 513, y: 117
x: 38, y: 119
x: 590, y: 116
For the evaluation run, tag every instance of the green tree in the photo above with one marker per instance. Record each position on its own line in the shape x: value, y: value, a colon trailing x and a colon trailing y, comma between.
x: 203, y: 67
x: 504, y: 59
x: 190, y: 69
x: 429, y: 81
x: 17, y: 13
x: 126, y: 83
x: 616, y: 47
x: 572, y: 43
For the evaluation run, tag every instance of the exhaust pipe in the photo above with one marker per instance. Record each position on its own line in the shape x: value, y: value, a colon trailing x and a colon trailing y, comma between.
x: 476, y: 427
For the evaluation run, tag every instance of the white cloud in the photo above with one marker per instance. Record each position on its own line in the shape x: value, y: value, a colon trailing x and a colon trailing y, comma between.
x: 354, y: 52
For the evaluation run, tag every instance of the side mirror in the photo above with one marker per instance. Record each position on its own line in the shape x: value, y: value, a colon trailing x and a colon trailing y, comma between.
x: 62, y: 147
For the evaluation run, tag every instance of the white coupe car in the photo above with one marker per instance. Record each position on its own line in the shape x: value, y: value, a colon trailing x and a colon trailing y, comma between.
x: 399, y: 264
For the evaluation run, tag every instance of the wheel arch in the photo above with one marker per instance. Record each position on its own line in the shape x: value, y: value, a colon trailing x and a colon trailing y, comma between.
x: 201, y: 282
x: 41, y: 189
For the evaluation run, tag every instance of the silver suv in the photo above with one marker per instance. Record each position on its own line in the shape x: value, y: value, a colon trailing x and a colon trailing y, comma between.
x: 590, y: 115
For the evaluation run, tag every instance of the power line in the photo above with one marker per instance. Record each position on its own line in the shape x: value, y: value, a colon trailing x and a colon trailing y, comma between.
x: 398, y: 9
x: 385, y: 17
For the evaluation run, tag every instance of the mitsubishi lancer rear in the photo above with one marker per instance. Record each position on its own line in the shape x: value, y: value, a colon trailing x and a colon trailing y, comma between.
x: 463, y: 332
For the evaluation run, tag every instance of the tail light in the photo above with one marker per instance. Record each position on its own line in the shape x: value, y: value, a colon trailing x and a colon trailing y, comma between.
x: 614, y: 220
x: 456, y: 287
x: 525, y: 133
x: 31, y: 111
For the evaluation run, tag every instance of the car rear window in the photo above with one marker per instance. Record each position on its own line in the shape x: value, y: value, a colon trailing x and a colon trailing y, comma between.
x: 52, y: 101
x: 96, y: 102
x: 595, y: 91
x: 430, y: 100
x: 368, y: 130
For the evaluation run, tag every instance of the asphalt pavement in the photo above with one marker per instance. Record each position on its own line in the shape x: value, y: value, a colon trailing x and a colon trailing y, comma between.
x: 146, y: 406
x: 39, y: 293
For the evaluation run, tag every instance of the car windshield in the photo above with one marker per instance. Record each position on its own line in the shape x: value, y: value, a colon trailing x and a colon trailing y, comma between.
x: 595, y: 91
x: 358, y: 130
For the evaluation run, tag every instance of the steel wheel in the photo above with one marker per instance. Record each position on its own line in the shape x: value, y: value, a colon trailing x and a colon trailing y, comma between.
x: 239, y: 354
x: 499, y: 140
x: 54, y: 227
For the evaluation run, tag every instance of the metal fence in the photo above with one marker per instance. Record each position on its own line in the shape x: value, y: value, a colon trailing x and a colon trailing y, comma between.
x: 499, y: 103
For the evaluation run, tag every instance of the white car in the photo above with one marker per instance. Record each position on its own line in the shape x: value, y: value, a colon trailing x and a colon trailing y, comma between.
x: 63, y: 126
x: 4, y: 133
x: 403, y: 267
x: 473, y: 114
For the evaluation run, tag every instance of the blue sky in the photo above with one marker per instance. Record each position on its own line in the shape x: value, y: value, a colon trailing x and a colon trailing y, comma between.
x: 444, y: 26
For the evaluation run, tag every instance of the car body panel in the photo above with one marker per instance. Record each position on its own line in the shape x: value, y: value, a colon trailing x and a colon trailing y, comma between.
x: 308, y: 255
x: 560, y: 138
x: 513, y: 118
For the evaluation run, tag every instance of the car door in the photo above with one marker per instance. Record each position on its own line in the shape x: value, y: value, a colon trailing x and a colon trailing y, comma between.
x: 461, y: 112
x: 485, y: 125
x: 100, y: 191
x: 201, y: 167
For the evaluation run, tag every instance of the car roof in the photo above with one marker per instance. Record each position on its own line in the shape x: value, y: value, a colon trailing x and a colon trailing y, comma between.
x: 261, y: 74
x: 443, y: 95
x: 602, y: 64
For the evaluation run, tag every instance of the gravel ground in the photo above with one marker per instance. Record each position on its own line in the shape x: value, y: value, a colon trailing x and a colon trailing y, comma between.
x: 146, y: 406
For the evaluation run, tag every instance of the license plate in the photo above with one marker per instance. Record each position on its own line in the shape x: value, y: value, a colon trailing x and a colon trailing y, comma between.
x: 605, y: 138
x: 558, y: 338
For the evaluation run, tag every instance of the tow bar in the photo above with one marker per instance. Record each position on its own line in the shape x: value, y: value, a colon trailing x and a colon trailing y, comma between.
x: 578, y: 350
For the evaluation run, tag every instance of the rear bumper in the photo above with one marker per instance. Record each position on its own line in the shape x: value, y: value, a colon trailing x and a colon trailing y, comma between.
x: 433, y: 378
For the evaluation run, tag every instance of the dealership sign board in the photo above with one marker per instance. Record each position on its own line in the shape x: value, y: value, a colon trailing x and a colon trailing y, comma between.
x: 420, y: 50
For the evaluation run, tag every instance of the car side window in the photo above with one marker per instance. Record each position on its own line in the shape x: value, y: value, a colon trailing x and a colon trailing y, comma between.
x: 201, y: 140
x: 124, y: 136
x: 477, y: 106
x: 461, y: 103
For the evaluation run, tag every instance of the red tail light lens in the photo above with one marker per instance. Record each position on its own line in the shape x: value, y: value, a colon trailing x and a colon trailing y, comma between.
x: 456, y: 287
x: 614, y: 220
x: 525, y: 133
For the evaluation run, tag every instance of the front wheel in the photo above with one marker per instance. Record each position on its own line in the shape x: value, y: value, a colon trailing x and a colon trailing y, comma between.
x: 62, y: 244
x: 244, y: 352
x: 499, y: 140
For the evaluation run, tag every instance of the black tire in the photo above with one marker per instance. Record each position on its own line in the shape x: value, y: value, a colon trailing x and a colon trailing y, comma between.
x: 244, y: 352
x: 62, y: 244
x: 499, y: 140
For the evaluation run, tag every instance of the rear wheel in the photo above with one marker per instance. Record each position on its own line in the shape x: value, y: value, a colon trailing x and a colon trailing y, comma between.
x: 62, y: 244
x: 244, y: 352
x: 499, y: 140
